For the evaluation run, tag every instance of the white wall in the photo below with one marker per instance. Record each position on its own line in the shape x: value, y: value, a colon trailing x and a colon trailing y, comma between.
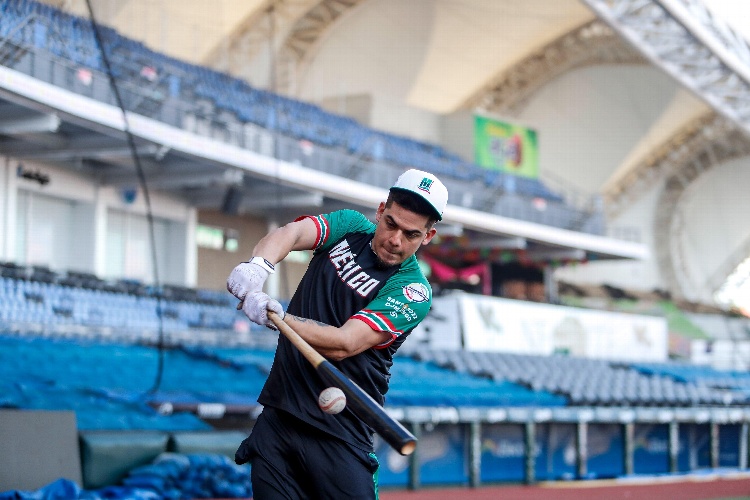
x: 87, y: 227
x: 7, y: 207
x: 377, y: 51
x: 711, y: 223
x: 721, y: 354
x: 457, y: 133
x: 634, y: 274
x: 589, y: 119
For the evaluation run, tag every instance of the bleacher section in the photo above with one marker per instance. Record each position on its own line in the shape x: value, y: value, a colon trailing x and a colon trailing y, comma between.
x: 704, y: 376
x: 38, y: 300
x: 107, y: 384
x: 591, y: 382
x: 71, y: 340
x: 106, y: 370
x: 55, y: 47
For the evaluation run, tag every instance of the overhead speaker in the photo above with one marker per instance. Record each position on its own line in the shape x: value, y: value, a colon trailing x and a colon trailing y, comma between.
x: 232, y: 200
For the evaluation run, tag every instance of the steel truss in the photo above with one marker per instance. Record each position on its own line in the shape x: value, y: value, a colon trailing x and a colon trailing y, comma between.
x: 685, y: 40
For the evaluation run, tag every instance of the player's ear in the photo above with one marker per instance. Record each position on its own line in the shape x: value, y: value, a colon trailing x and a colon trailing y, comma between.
x: 379, y: 211
x: 430, y: 234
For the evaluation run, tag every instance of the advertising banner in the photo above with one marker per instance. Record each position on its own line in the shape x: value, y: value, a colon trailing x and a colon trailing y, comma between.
x: 515, y: 326
x: 505, y: 147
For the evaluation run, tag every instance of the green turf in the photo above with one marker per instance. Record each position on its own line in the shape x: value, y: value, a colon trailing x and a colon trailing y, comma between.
x: 679, y: 323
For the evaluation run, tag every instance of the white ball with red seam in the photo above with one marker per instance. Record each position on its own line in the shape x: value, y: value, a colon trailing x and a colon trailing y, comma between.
x: 332, y: 400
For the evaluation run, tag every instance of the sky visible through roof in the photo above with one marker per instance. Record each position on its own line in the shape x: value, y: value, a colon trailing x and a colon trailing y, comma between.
x: 736, y: 13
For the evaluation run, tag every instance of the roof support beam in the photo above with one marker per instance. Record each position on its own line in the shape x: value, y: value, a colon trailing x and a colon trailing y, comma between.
x: 683, y: 39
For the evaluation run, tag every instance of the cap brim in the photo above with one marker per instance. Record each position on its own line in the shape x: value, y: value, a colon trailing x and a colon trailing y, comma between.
x: 434, y: 210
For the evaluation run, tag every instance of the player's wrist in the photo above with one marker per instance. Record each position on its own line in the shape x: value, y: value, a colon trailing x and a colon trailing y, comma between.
x: 263, y: 263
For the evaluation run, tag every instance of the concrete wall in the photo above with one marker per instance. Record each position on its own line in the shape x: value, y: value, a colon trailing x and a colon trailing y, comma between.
x: 365, y: 55
x: 711, y: 224
x: 215, y: 265
x: 83, y: 243
x: 38, y: 447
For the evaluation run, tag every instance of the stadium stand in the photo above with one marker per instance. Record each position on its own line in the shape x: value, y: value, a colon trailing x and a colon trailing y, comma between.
x: 593, y: 382
x: 704, y: 376
x: 211, y: 103
x: 119, y: 308
x: 234, y: 375
x: 107, y: 383
x: 73, y: 341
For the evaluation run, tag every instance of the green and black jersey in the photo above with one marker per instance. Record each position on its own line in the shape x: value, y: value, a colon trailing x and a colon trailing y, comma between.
x: 344, y: 281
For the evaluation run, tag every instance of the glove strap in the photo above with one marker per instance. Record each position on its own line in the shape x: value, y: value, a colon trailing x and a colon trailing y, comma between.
x: 263, y: 263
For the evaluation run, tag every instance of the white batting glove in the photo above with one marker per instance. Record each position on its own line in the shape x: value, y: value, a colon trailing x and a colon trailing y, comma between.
x: 256, y: 306
x: 249, y: 277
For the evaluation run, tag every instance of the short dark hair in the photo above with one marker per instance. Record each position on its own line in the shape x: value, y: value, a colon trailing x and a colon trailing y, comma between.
x: 413, y: 203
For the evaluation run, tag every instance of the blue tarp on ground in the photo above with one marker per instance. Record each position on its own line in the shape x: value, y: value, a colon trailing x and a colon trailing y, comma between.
x: 170, y: 476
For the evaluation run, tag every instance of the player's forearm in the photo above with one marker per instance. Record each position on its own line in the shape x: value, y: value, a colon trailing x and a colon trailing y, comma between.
x: 326, y: 339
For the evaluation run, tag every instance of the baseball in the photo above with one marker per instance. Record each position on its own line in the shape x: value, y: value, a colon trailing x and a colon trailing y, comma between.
x: 332, y: 400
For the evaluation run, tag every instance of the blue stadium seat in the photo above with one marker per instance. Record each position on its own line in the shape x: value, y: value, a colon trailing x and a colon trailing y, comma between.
x: 596, y: 382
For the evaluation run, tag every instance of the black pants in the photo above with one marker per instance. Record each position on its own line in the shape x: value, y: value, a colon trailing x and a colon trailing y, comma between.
x: 293, y: 460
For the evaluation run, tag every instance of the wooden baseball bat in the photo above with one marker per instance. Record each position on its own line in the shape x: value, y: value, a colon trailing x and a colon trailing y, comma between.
x: 361, y: 403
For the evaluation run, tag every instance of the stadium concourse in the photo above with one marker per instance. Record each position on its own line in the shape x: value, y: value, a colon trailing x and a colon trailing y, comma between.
x: 577, y: 343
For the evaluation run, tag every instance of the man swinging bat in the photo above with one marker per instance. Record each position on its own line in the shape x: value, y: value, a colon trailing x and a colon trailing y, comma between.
x: 361, y: 296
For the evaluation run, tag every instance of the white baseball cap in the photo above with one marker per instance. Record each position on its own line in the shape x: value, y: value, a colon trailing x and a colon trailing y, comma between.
x: 425, y: 185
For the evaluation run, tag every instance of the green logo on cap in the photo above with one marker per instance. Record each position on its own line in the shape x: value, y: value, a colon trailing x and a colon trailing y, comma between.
x: 425, y: 185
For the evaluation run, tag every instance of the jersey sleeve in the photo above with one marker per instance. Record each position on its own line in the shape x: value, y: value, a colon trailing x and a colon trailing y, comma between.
x: 334, y: 225
x: 399, y: 306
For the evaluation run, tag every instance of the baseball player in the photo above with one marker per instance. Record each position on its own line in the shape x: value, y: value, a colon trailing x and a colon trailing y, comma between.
x: 361, y: 296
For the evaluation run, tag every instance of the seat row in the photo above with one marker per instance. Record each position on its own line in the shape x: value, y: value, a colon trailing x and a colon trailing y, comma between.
x: 592, y: 382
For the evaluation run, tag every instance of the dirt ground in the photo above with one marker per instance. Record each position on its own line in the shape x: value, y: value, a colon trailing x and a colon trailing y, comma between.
x: 703, y: 487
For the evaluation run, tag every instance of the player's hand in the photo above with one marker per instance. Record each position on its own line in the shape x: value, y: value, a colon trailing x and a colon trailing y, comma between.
x: 247, y: 277
x: 256, y: 306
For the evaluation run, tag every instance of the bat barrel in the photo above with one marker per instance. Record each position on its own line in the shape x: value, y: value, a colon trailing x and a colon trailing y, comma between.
x: 357, y: 400
x: 369, y: 411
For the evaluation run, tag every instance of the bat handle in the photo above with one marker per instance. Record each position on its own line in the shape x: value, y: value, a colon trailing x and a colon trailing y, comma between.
x: 283, y: 327
x: 271, y: 315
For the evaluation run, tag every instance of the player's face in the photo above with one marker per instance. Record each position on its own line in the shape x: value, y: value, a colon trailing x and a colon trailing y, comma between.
x: 399, y: 234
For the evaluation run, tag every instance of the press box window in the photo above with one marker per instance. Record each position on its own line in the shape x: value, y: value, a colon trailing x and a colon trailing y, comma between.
x: 217, y: 238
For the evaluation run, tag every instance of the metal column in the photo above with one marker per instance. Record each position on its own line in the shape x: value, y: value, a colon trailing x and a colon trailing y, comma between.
x: 674, y: 445
x: 714, y: 443
x: 530, y: 452
x: 581, y: 449
x: 743, y: 446
x: 628, y: 449
x: 475, y: 453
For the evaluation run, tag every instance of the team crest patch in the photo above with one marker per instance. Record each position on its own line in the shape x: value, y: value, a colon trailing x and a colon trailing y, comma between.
x: 416, y: 292
x: 425, y: 185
